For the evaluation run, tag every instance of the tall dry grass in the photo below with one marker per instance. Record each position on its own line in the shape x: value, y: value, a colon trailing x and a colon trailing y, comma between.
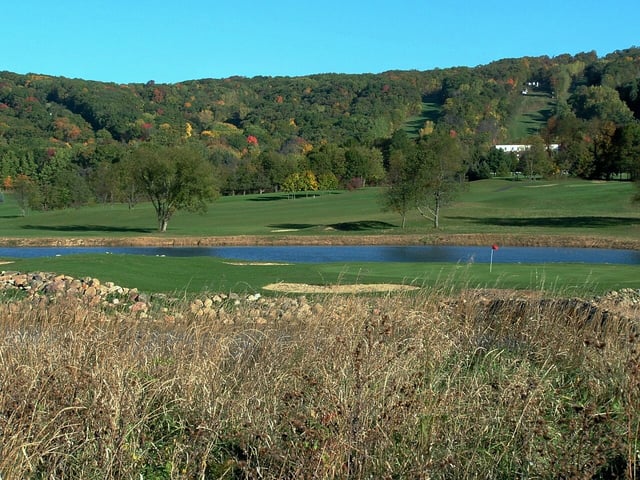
x: 400, y: 386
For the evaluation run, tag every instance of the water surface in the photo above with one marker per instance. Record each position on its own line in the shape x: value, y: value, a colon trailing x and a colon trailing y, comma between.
x: 342, y: 254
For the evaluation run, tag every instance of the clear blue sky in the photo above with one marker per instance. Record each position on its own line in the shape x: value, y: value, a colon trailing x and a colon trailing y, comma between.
x: 169, y: 41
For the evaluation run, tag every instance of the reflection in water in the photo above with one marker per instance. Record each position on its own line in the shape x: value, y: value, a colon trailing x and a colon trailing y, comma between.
x: 342, y: 254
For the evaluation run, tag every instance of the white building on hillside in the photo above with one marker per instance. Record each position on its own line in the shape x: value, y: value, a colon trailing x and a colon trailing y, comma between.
x: 521, y: 148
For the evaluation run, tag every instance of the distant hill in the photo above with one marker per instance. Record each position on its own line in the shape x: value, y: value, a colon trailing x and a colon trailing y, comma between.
x: 304, y: 122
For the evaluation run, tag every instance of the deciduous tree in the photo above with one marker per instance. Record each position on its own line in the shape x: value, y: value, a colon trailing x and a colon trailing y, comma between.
x: 536, y: 159
x: 364, y: 163
x: 174, y: 178
x: 626, y: 149
x: 26, y: 193
x: 400, y: 196
x: 437, y: 173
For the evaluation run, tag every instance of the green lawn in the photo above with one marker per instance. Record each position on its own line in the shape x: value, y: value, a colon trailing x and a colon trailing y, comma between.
x: 193, y: 275
x: 431, y: 110
x: 534, y: 111
x: 236, y: 215
x: 561, y: 208
x: 555, y: 207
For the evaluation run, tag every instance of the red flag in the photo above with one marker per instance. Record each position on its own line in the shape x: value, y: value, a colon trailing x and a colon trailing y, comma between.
x: 494, y: 246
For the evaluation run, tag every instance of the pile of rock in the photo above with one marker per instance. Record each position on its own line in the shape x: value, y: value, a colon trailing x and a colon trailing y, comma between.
x: 89, y: 290
x: 260, y: 309
x: 624, y: 296
x: 225, y: 308
x: 624, y: 302
x: 42, y: 286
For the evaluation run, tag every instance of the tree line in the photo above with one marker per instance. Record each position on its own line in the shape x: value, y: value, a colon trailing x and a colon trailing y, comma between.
x: 70, y: 142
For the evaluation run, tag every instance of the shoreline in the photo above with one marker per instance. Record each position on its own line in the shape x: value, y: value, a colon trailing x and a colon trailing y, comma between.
x: 515, y: 240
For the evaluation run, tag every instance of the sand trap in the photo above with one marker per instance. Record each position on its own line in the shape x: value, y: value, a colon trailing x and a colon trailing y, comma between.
x: 359, y: 288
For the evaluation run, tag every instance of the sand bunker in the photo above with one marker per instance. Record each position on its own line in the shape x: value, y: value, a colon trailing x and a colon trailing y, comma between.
x: 359, y: 288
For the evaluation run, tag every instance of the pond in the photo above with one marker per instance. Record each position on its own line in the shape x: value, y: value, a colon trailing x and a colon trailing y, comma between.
x: 326, y: 254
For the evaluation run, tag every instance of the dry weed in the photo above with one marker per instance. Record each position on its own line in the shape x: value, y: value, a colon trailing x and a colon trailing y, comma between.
x: 391, y: 386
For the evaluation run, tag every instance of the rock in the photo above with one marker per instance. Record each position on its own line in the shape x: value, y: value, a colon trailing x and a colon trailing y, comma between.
x: 139, y: 307
x: 90, y: 292
x: 55, y: 287
x: 133, y: 294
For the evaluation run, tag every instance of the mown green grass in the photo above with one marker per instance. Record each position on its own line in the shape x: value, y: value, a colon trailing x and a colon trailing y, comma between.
x: 431, y: 110
x: 267, y: 214
x: 534, y: 111
x: 554, y: 207
x: 193, y: 275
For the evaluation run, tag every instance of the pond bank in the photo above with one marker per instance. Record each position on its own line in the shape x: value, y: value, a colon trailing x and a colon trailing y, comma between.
x: 410, y: 239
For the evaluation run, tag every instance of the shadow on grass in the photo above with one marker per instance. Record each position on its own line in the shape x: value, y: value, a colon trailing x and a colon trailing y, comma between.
x: 276, y: 197
x: 292, y: 226
x: 268, y: 198
x: 88, y: 228
x: 558, y: 222
x: 535, y: 119
x: 431, y: 110
x: 361, y: 226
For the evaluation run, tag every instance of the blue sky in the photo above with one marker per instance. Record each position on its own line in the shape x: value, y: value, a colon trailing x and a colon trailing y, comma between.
x: 170, y: 41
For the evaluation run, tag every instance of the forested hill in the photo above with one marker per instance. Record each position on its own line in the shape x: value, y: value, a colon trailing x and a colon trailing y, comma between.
x: 258, y: 130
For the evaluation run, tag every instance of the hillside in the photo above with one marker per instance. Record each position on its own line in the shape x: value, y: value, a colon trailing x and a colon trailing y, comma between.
x: 66, y: 135
x: 531, y: 116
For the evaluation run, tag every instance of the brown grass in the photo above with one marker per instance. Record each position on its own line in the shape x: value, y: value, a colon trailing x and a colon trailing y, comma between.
x: 392, y: 386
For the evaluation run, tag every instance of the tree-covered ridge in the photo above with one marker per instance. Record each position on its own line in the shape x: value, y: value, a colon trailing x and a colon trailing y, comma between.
x: 69, y: 137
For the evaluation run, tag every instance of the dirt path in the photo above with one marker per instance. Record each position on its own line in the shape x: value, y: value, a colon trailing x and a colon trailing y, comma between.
x: 409, y: 239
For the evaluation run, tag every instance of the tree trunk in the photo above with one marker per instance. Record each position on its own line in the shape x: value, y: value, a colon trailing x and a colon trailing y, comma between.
x: 163, y: 225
